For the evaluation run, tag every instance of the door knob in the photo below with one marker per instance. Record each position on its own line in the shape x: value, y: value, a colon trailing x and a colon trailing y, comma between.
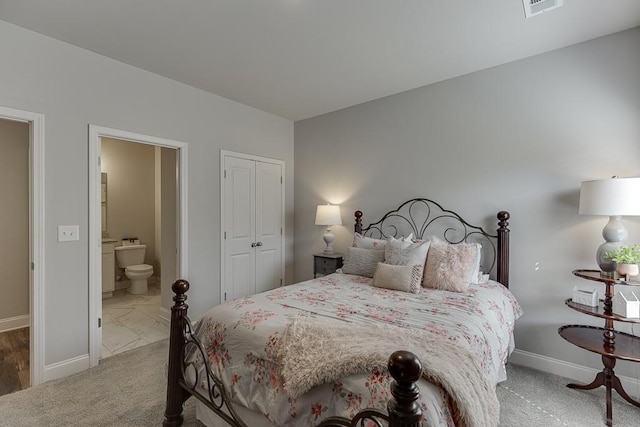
x: 253, y: 245
x: 259, y: 244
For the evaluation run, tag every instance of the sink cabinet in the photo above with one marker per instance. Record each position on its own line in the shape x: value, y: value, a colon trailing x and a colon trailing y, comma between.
x: 108, y: 268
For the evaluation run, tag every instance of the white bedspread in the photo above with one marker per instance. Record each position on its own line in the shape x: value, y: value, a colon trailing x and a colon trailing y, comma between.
x: 242, y: 338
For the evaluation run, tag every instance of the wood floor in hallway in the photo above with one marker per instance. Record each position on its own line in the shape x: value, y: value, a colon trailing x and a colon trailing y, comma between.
x: 14, y: 361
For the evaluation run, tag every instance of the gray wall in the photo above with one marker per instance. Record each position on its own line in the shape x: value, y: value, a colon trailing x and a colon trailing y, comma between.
x: 73, y: 88
x: 14, y: 219
x: 519, y: 137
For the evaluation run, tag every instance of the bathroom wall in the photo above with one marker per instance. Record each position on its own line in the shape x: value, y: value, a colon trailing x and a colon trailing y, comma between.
x: 130, y: 169
x: 14, y: 222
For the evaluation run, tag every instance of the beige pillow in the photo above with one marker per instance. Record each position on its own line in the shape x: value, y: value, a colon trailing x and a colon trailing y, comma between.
x: 405, y: 252
x: 406, y: 278
x: 449, y: 267
x: 361, y: 261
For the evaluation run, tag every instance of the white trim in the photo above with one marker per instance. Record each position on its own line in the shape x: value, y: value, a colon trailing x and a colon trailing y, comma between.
x: 165, y: 316
x: 66, y: 367
x: 227, y: 153
x: 579, y: 373
x: 95, y: 224
x: 36, y: 236
x: 13, y: 323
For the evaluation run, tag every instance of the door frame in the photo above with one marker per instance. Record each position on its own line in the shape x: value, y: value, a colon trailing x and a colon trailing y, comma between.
x: 223, y: 155
x: 95, y: 221
x: 36, y: 237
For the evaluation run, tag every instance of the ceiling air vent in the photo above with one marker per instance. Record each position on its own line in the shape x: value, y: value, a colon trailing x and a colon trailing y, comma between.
x: 536, y: 7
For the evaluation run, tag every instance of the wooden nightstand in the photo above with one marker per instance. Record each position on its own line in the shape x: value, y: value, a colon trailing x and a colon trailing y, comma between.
x: 326, y: 263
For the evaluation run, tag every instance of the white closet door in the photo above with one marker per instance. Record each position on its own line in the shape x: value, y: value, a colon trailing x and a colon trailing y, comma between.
x: 268, y: 226
x: 240, y: 208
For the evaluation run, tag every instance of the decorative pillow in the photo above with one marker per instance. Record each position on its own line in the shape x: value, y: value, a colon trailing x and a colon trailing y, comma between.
x: 476, y: 275
x: 360, y: 241
x: 405, y: 252
x: 449, y: 267
x: 361, y: 261
x: 406, y: 278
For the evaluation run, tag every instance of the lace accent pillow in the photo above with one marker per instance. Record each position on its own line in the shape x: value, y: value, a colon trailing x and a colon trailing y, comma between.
x: 449, y: 267
x: 361, y: 261
x: 406, y: 278
x: 405, y: 252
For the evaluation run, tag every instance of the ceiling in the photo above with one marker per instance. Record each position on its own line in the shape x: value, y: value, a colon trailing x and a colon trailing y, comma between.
x: 302, y: 58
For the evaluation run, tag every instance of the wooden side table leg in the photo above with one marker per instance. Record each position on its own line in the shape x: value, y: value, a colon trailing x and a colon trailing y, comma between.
x: 617, y: 386
x: 609, y: 363
x: 597, y: 382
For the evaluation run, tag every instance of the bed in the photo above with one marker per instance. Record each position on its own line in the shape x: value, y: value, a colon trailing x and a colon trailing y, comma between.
x: 316, y: 353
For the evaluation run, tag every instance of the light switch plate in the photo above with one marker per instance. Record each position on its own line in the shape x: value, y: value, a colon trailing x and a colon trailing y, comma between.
x: 68, y: 233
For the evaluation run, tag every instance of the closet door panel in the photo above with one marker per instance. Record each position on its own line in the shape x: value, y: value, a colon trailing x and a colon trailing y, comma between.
x: 240, y: 208
x: 268, y: 226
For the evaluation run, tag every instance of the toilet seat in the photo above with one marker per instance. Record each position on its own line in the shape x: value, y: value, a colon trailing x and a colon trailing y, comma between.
x: 139, y: 268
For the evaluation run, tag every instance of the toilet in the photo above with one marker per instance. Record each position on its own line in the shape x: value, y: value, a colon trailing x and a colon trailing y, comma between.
x: 130, y: 256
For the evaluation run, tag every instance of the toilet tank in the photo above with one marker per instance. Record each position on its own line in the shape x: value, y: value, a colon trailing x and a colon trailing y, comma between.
x: 130, y: 255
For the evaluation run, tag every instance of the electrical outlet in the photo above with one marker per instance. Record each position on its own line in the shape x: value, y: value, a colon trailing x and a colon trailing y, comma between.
x: 68, y: 233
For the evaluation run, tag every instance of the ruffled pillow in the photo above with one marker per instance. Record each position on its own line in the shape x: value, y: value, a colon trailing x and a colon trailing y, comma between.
x: 449, y: 267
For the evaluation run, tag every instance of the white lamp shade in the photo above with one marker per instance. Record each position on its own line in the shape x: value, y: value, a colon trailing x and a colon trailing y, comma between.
x: 328, y: 215
x: 610, y: 197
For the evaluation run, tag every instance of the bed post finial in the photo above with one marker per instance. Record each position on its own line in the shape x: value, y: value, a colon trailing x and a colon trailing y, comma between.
x: 175, y: 393
x: 180, y: 288
x: 403, y: 408
x: 358, y: 226
x: 503, y: 247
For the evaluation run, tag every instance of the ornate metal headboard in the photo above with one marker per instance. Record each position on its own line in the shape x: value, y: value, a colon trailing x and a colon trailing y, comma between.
x: 424, y: 218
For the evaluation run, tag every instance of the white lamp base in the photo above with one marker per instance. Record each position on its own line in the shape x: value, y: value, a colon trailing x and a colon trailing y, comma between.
x: 328, y: 239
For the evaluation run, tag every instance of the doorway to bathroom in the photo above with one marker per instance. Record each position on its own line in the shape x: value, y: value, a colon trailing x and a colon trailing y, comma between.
x: 137, y: 223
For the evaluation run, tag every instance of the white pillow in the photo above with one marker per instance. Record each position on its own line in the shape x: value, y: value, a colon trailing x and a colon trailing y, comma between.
x: 362, y: 261
x: 360, y: 241
x: 476, y: 275
x: 406, y: 278
x: 405, y: 252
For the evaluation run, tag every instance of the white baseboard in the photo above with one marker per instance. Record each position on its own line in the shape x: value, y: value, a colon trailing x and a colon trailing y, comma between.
x: 165, y: 316
x: 11, y: 323
x: 66, y: 367
x: 578, y: 373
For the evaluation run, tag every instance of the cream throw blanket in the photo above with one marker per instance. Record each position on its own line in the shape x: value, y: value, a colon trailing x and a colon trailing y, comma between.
x: 314, y: 352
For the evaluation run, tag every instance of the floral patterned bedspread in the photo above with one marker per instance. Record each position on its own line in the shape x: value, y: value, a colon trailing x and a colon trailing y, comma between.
x: 241, y: 338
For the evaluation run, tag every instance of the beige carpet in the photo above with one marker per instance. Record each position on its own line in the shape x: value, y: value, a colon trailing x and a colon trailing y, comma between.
x: 128, y: 390
x: 125, y: 390
x: 536, y: 399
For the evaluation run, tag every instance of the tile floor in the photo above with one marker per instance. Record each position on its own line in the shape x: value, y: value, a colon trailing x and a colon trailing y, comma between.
x: 131, y: 321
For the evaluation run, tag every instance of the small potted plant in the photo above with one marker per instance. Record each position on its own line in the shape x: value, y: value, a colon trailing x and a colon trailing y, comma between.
x: 627, y: 259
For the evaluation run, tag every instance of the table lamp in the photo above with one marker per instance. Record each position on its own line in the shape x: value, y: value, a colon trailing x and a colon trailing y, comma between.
x: 328, y: 215
x: 613, y: 197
